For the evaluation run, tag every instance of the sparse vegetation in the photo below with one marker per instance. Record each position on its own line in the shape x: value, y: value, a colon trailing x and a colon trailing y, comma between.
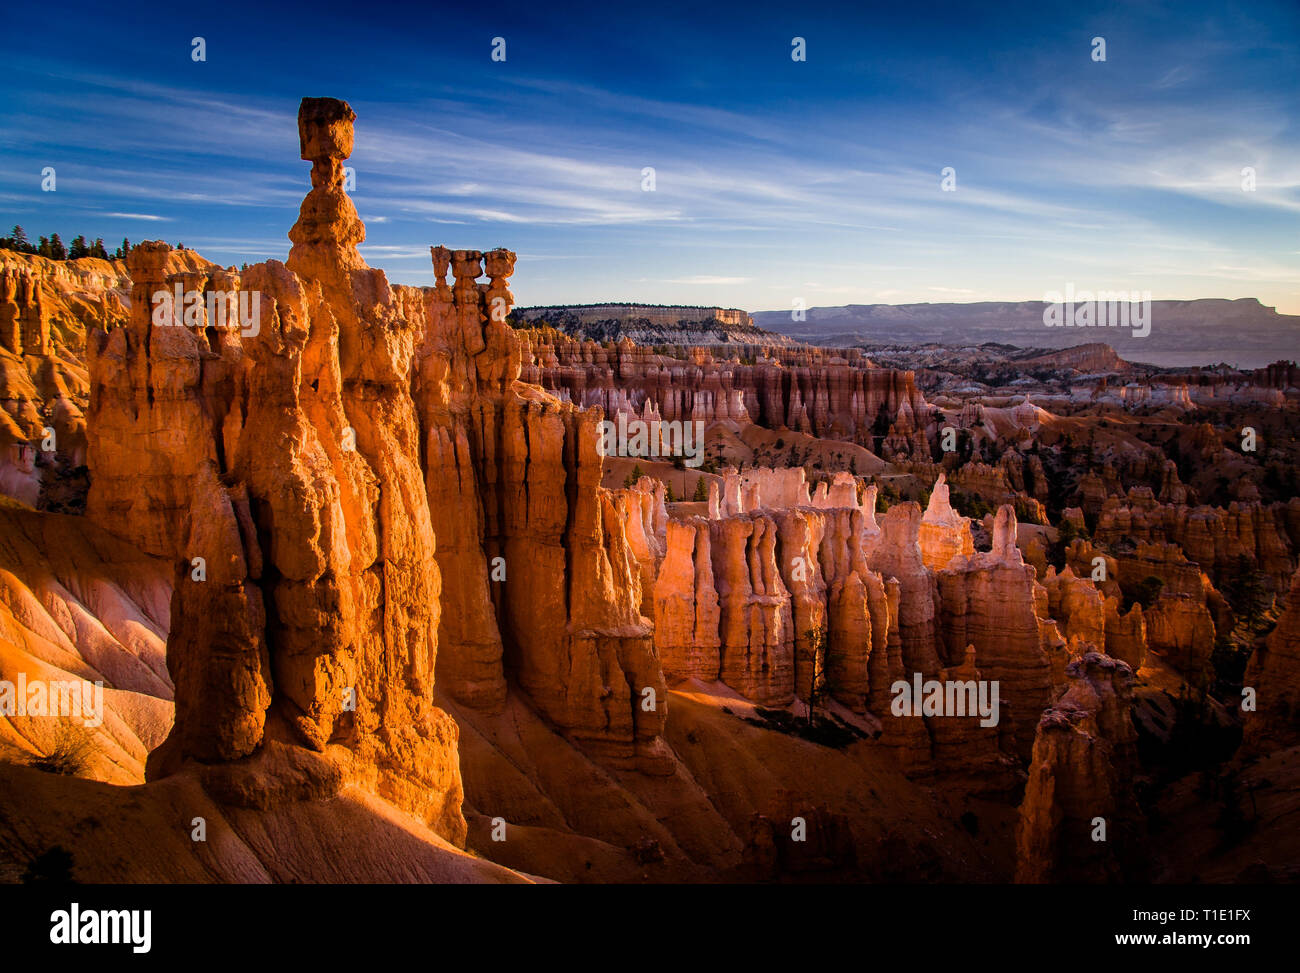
x: 53, y: 247
x: 1243, y: 587
x: 70, y: 754
x: 818, y: 642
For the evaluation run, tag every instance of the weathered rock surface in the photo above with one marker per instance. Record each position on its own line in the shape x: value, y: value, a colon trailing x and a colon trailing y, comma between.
x: 282, y: 474
x: 1215, y: 538
x: 837, y: 395
x: 945, y: 534
x: 1274, y: 674
x: 1084, y: 755
x: 991, y: 601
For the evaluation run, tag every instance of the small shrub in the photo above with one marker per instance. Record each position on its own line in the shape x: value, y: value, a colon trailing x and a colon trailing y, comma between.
x: 70, y: 754
x: 51, y: 867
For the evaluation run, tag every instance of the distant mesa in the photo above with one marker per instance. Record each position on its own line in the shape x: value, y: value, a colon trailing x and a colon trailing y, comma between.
x: 651, y: 324
x: 1093, y: 357
x: 1243, y: 332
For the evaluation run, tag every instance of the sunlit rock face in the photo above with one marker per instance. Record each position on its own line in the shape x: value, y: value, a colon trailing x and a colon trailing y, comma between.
x: 687, y: 614
x: 544, y: 568
x: 991, y: 601
x: 851, y: 608
x: 1216, y: 539
x: 277, y: 462
x: 945, y: 535
x: 78, y: 604
x: 315, y: 477
x: 152, y: 406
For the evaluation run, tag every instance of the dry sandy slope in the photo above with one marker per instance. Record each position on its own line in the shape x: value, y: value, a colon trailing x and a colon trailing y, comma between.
x: 76, y: 603
x: 572, y: 820
x: 143, y: 834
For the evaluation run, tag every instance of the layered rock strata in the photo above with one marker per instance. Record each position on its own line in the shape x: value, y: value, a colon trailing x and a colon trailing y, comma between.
x: 834, y: 395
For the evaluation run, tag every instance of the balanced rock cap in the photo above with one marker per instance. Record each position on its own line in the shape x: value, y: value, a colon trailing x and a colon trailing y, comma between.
x: 325, y: 128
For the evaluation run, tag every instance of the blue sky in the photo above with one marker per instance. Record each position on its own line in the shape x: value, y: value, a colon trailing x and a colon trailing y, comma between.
x: 775, y: 180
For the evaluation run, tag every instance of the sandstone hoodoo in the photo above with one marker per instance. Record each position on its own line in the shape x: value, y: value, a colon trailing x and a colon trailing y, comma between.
x: 347, y: 557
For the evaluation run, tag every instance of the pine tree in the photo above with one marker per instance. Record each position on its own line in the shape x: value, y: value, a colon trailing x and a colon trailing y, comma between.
x: 1245, y: 591
x: 819, y: 687
x: 701, y: 490
x: 20, y: 242
x: 43, y: 248
x: 78, y: 248
x: 97, y: 249
x: 57, y: 250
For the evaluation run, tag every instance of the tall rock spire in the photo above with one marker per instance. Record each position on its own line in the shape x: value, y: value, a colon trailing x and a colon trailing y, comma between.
x: 328, y: 230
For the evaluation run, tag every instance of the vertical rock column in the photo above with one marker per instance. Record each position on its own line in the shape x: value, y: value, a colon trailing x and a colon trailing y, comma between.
x: 35, y: 318
x: 216, y: 649
x: 151, y: 415
x: 388, y: 567
x: 1274, y: 674
x: 989, y: 601
x: 686, y: 609
x: 328, y: 230
x: 800, y: 534
x: 446, y: 386
x: 757, y: 624
x: 499, y: 367
x: 11, y: 292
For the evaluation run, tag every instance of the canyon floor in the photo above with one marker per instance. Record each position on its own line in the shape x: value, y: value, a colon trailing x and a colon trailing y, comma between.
x: 370, y: 598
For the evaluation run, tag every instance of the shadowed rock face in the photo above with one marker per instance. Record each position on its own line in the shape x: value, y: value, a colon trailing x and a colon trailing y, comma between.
x: 1274, y: 674
x: 1085, y: 752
